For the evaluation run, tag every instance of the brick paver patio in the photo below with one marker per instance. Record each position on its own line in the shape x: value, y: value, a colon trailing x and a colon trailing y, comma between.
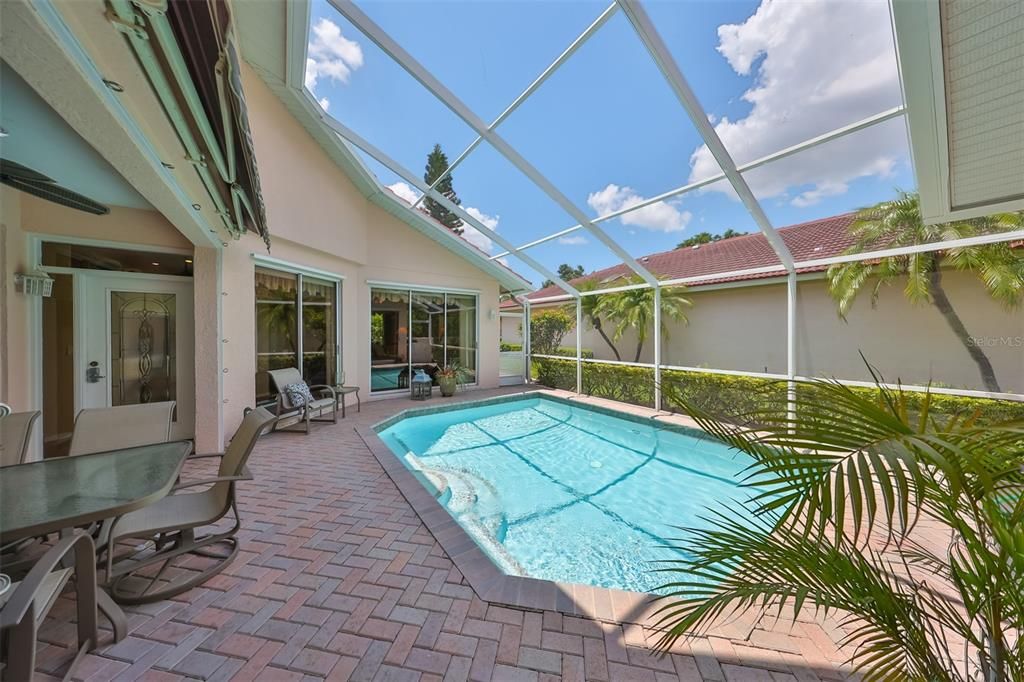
x: 337, y: 578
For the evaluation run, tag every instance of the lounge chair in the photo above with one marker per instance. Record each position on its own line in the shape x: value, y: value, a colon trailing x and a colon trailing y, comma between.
x: 172, y: 524
x: 15, y: 435
x: 25, y: 604
x: 102, y: 429
x: 290, y: 414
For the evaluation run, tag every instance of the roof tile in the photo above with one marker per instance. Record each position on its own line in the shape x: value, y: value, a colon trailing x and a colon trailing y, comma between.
x: 821, y: 238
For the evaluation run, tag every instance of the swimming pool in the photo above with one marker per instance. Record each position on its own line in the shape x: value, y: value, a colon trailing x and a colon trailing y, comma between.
x: 559, y: 491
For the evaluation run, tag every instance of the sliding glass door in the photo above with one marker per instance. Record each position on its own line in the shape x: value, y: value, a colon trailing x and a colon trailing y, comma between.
x: 294, y: 310
x: 460, y: 322
x: 413, y: 329
x: 389, y: 339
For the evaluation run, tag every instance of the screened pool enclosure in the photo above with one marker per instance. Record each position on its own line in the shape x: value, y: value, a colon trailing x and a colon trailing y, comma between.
x: 798, y: 147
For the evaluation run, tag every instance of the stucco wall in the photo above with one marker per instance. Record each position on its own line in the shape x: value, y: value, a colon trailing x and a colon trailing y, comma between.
x: 319, y: 219
x: 25, y: 215
x: 744, y: 328
x: 15, y: 379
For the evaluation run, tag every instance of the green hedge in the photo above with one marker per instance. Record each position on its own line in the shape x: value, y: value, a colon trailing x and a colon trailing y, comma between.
x: 728, y: 394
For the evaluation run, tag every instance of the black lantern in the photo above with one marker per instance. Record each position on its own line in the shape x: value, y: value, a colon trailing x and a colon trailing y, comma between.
x: 422, y: 385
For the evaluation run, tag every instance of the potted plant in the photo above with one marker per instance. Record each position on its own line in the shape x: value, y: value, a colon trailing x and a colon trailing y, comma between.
x: 451, y: 377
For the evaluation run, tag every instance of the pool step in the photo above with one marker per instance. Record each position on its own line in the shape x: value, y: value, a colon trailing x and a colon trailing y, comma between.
x: 480, y: 516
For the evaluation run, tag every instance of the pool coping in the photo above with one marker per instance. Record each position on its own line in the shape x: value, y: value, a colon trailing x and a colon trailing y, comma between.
x: 483, y: 575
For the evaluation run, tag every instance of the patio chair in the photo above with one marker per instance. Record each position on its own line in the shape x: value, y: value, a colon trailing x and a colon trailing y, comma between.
x: 289, y: 413
x: 15, y: 434
x: 101, y: 429
x: 172, y: 524
x: 26, y: 603
x: 16, y: 430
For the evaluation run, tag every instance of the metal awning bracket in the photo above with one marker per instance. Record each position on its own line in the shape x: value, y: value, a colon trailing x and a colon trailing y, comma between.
x: 151, y: 7
x: 133, y: 29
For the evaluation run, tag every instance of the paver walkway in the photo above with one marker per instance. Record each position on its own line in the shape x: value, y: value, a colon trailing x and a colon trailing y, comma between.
x: 338, y: 578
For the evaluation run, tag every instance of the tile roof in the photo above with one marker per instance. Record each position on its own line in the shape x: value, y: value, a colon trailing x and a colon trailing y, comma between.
x: 811, y: 240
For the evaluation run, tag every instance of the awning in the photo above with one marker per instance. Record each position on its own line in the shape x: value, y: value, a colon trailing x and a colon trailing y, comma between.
x: 188, y: 50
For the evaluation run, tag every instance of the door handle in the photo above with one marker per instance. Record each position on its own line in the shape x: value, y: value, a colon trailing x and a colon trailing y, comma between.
x: 92, y: 373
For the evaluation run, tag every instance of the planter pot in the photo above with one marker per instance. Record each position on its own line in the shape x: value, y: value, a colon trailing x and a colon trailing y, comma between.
x: 447, y: 386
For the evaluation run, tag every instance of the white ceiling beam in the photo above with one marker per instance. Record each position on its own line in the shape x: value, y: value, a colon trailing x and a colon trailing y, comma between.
x: 377, y: 35
x: 354, y: 138
x: 561, y: 59
x: 857, y: 126
x: 981, y: 240
x: 659, y: 51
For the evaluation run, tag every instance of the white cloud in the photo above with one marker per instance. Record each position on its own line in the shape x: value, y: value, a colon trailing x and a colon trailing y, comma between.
x: 663, y: 216
x: 330, y: 54
x: 822, y: 190
x: 816, y: 66
x: 405, y: 192
x: 325, y: 103
x: 573, y: 240
x: 474, y: 236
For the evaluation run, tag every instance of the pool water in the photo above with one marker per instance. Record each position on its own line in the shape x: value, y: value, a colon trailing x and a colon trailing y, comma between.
x: 557, y: 491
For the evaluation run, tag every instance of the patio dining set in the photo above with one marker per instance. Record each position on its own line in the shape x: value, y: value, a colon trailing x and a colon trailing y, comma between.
x: 122, y: 518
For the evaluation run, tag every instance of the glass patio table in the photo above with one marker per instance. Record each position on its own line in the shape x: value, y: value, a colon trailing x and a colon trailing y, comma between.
x: 62, y: 493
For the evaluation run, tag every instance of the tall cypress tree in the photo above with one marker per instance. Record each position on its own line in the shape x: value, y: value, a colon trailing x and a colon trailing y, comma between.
x: 437, y: 165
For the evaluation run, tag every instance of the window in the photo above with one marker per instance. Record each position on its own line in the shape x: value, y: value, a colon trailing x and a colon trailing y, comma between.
x: 87, y: 257
x: 411, y: 330
x: 295, y: 311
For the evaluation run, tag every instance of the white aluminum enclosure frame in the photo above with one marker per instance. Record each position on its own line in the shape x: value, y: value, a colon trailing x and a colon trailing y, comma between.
x: 649, y: 36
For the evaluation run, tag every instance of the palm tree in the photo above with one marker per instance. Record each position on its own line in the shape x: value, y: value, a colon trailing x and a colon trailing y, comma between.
x: 634, y: 309
x: 898, y: 223
x: 592, y: 315
x: 839, y: 488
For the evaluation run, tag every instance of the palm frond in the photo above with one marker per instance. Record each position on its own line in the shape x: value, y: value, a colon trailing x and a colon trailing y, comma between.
x: 836, y: 471
x: 762, y: 565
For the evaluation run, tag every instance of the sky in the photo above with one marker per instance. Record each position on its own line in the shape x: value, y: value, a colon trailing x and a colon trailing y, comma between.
x: 606, y: 128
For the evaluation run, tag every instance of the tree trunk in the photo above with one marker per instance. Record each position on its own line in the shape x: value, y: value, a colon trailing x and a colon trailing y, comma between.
x: 639, y: 347
x: 596, y: 323
x: 942, y: 302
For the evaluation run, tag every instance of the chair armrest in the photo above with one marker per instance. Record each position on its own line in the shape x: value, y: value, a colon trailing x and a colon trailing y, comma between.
x: 281, y: 410
x: 246, y: 475
x: 85, y: 569
x: 324, y: 387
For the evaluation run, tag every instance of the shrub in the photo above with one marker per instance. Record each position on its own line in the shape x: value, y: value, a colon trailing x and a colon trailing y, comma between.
x: 547, y: 329
x: 730, y: 395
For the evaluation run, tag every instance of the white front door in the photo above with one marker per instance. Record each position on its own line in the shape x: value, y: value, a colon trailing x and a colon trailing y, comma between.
x: 138, y: 338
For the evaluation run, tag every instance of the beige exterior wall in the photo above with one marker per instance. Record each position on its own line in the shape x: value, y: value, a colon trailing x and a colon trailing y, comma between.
x: 744, y: 328
x: 25, y: 216
x: 15, y: 379
x: 319, y: 219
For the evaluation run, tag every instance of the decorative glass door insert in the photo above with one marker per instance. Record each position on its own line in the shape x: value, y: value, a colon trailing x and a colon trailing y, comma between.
x: 142, y: 347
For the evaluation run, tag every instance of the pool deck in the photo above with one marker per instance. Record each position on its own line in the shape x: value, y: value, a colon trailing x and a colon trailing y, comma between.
x: 340, y: 577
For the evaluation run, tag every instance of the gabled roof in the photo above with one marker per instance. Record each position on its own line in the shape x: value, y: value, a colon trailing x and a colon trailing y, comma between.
x: 267, y: 45
x: 811, y: 240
